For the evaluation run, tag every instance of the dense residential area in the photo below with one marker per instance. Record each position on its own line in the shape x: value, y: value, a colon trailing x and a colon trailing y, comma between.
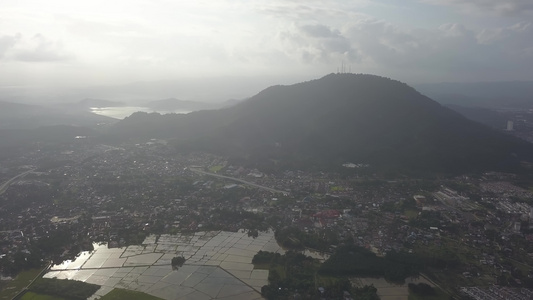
x: 467, y: 233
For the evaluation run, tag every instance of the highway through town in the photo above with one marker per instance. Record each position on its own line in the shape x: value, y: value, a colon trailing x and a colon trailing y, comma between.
x: 6, y: 184
x: 240, y: 180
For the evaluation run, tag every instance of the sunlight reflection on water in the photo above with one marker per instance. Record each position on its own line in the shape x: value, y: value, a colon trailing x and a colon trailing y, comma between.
x: 121, y: 112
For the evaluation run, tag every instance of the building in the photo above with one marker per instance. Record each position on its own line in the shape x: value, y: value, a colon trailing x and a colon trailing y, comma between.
x: 510, y: 125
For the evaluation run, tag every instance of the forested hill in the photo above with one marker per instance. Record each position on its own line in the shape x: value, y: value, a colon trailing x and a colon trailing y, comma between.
x: 338, y: 118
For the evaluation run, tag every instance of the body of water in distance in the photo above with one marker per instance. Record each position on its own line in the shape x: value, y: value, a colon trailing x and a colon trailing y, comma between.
x: 121, y: 112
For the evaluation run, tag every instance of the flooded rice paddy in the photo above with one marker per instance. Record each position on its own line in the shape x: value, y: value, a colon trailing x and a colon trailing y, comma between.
x: 218, y: 266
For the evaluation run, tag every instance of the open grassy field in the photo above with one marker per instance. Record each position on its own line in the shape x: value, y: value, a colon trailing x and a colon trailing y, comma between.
x: 411, y: 214
x: 12, y: 288
x: 440, y: 295
x: 215, y: 169
x: 119, y: 294
x: 35, y: 296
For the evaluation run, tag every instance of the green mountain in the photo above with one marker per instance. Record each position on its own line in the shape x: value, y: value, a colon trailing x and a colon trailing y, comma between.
x: 336, y: 119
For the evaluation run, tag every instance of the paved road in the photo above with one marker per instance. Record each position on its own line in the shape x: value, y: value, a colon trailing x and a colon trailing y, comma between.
x: 240, y: 180
x: 6, y: 184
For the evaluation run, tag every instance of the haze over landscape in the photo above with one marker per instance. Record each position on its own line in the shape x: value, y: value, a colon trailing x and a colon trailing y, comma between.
x: 176, y: 48
x: 364, y: 149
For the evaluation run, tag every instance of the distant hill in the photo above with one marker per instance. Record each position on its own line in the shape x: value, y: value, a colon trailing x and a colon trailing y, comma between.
x: 173, y: 104
x: 336, y: 119
x: 7, y: 108
x: 489, y: 117
x: 89, y: 102
x: 26, y: 116
x: 501, y: 95
x: 12, y: 141
x: 24, y: 125
x: 230, y: 102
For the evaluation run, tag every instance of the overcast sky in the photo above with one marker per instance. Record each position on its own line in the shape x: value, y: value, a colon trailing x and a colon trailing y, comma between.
x: 101, y: 42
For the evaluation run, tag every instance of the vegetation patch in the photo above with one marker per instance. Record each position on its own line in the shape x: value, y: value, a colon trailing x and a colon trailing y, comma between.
x: 294, y: 275
x: 288, y: 273
x: 411, y: 214
x: 119, y: 294
x: 69, y: 289
x: 35, y: 296
x: 424, y: 291
x: 177, y: 262
x: 357, y: 261
x: 263, y: 259
x: 23, y: 279
x: 296, y: 239
x: 215, y: 169
x: 337, y: 189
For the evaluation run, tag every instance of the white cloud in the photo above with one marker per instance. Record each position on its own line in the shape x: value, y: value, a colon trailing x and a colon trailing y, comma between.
x: 451, y: 50
x: 39, y: 49
x: 507, y: 7
x: 163, y: 39
x: 317, y: 43
x: 35, y: 49
x: 7, y: 42
x: 517, y: 35
x: 315, y: 10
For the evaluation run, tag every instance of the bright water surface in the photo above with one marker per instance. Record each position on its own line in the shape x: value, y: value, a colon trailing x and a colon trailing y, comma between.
x: 218, y: 266
x: 121, y: 112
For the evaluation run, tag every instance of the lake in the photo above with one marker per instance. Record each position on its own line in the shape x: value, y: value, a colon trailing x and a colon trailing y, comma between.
x: 121, y: 112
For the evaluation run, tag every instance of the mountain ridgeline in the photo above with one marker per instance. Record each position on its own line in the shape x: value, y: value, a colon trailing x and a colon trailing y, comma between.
x: 336, y: 119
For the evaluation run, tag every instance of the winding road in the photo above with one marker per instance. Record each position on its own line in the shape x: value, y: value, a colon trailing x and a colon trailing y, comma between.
x: 239, y: 180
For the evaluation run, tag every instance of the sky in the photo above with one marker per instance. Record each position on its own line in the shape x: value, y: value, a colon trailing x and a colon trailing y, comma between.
x: 76, y: 43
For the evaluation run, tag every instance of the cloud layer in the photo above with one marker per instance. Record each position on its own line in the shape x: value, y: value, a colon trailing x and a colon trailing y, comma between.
x: 66, y: 42
x: 506, y: 8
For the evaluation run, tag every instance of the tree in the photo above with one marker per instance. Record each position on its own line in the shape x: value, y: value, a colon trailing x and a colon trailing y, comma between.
x: 422, y: 289
x: 367, y: 292
x: 177, y: 262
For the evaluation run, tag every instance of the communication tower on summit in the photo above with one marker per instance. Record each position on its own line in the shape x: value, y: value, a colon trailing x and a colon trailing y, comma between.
x: 342, y: 69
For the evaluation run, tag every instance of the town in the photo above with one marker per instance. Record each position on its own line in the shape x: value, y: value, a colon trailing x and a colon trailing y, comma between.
x: 56, y: 201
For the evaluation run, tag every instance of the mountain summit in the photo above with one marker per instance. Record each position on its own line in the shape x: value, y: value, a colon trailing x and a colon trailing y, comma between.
x: 340, y: 118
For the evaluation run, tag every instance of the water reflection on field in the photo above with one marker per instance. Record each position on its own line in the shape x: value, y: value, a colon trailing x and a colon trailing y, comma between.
x: 218, y: 266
